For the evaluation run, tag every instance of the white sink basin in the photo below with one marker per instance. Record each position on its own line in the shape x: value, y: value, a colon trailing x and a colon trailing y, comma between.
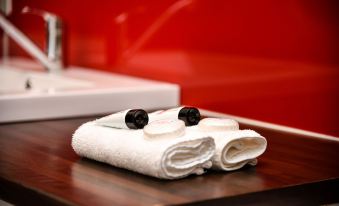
x: 33, y: 95
x: 13, y: 81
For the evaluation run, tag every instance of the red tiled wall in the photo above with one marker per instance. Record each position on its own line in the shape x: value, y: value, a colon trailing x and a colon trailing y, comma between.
x: 275, y: 61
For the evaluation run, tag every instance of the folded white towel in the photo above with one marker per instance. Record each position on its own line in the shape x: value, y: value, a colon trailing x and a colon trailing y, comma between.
x: 236, y: 148
x: 163, y: 158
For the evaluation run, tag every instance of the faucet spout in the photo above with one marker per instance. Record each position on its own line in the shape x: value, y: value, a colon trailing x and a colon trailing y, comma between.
x: 54, y: 33
x: 53, y: 65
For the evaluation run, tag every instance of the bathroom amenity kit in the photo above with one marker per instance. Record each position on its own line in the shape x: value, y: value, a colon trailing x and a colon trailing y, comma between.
x: 168, y: 144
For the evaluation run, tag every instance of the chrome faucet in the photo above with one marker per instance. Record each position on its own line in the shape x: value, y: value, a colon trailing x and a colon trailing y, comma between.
x: 52, y: 60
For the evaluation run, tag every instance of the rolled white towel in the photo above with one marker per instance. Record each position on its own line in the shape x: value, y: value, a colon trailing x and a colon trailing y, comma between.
x: 168, y: 158
x: 234, y: 148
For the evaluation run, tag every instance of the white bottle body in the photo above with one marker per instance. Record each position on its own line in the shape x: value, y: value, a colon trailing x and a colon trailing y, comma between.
x: 164, y: 114
x: 116, y: 120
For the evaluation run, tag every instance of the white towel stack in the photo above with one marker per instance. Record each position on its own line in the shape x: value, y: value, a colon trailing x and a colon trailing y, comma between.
x: 213, y: 143
x: 163, y: 158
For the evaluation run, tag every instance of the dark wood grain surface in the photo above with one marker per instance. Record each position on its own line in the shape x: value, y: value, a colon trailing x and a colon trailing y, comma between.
x: 37, y: 164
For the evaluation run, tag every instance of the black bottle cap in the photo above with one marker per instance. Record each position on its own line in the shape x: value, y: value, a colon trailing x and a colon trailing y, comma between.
x: 190, y: 115
x: 136, y: 119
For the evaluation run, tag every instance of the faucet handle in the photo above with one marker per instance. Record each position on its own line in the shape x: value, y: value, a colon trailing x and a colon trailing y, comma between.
x: 44, y: 14
x: 53, y: 26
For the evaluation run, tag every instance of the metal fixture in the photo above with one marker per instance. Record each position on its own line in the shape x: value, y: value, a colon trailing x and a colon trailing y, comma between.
x: 52, y: 60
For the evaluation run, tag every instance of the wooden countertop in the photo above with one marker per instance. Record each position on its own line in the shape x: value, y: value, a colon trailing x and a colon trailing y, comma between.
x: 38, y: 165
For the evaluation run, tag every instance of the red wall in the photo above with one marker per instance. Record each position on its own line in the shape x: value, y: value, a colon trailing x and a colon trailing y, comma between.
x: 275, y: 61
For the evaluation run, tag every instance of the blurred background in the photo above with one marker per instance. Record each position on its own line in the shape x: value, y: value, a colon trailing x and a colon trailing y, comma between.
x: 275, y: 61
